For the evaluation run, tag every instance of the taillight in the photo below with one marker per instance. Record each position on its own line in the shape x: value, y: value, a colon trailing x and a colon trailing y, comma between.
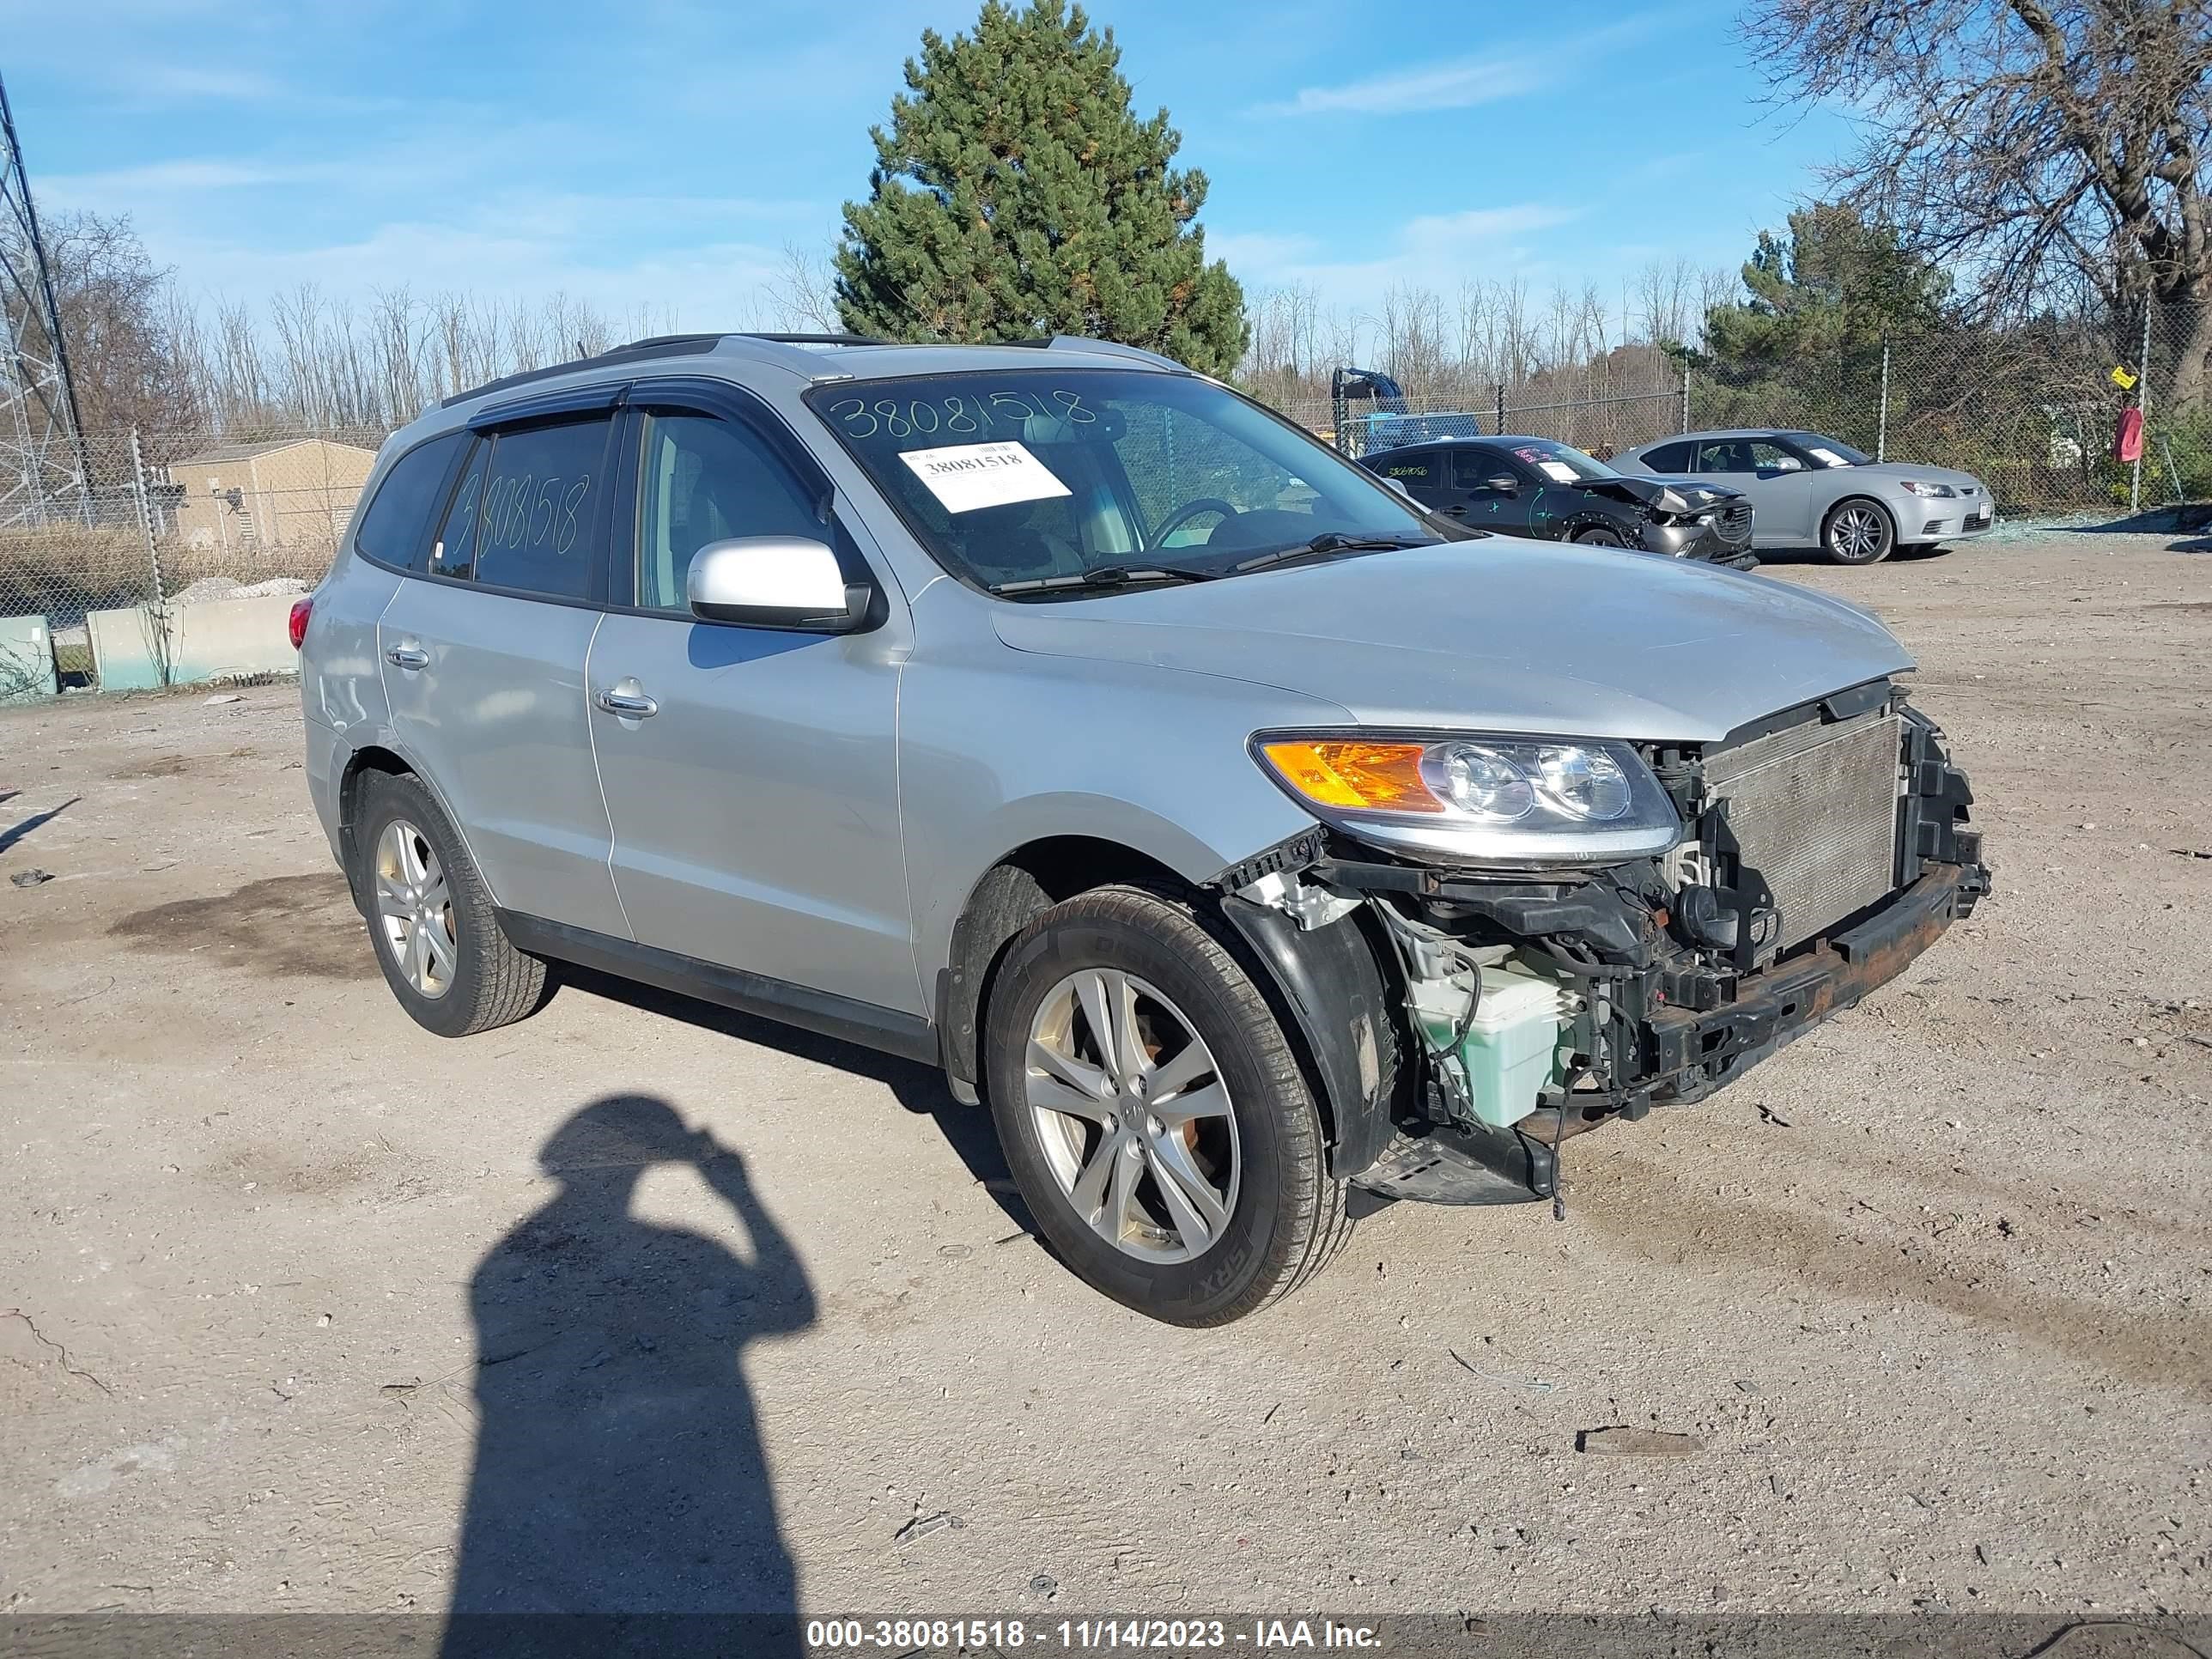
x: 302, y: 609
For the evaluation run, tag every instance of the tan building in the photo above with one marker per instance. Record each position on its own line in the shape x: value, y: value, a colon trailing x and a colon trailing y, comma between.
x: 290, y: 492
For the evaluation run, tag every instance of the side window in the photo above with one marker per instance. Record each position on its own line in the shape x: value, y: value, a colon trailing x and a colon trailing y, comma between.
x: 1773, y: 457
x: 1669, y: 457
x: 455, y: 552
x: 1472, y: 469
x: 1414, y: 469
x: 390, y: 529
x: 1725, y: 457
x: 703, y: 480
x: 541, y: 489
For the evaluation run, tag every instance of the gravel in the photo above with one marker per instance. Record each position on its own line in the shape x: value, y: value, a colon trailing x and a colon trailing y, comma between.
x: 306, y: 1309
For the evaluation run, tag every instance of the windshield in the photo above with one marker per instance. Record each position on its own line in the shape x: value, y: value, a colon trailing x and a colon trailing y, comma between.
x: 1830, y: 452
x: 1559, y: 463
x: 1023, y: 476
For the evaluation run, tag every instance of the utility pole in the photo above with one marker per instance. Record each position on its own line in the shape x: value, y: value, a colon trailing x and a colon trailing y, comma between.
x: 1882, y: 426
x: 2143, y: 404
x: 43, y: 470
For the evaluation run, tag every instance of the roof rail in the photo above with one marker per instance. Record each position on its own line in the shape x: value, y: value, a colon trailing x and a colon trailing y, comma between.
x: 658, y: 345
x: 1108, y: 347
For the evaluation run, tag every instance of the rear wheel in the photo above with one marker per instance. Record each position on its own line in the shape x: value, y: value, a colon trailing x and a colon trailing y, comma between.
x: 1153, y: 1114
x: 1857, y: 532
x: 430, y: 918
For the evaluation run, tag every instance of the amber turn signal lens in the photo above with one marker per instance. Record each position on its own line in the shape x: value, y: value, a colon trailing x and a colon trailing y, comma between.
x: 1380, y: 777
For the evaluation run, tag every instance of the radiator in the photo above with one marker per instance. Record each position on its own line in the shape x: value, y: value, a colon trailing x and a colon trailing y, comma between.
x: 1812, y: 811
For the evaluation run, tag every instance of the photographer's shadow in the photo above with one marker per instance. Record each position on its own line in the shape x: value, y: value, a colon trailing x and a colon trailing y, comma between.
x: 619, y: 1467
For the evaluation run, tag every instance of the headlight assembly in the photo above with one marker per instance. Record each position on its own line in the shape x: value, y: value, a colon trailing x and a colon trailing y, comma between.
x: 1932, y: 491
x: 1479, y: 800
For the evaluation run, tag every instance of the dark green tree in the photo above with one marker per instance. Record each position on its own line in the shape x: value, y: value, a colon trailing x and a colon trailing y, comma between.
x: 1832, y: 284
x: 1016, y: 194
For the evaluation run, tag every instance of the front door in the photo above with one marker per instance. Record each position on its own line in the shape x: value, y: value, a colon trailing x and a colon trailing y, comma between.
x: 1490, y: 493
x: 1778, y: 484
x: 749, y: 773
x: 483, y: 668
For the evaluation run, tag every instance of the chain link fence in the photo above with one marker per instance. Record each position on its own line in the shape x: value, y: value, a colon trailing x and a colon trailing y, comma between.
x: 2033, y: 410
x: 172, y: 519
x: 165, y: 520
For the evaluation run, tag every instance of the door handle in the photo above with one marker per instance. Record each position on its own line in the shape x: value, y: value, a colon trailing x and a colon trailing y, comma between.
x: 626, y: 705
x: 410, y: 657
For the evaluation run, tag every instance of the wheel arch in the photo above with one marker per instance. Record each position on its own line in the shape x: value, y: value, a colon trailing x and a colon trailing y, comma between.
x: 377, y: 755
x: 1326, y: 988
x: 1023, y: 884
x: 1887, y: 512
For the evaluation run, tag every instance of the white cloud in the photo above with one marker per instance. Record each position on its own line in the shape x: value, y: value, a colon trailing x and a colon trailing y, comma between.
x: 1459, y: 85
x: 1467, y: 81
x: 1433, y: 250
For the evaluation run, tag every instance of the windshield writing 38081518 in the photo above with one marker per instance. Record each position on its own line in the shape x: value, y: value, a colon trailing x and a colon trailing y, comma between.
x: 981, y: 415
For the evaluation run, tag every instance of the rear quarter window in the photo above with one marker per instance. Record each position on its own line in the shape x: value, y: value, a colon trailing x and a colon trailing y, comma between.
x: 1669, y: 457
x: 393, y: 528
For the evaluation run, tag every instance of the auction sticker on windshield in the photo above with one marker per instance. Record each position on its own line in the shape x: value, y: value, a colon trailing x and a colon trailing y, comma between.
x: 966, y: 476
x: 1558, y: 472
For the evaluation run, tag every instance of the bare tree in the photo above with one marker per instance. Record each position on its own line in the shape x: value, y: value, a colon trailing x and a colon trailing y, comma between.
x: 2028, y: 141
x: 116, y: 323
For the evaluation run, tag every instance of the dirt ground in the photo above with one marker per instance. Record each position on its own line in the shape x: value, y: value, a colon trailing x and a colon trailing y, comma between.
x: 301, y: 1308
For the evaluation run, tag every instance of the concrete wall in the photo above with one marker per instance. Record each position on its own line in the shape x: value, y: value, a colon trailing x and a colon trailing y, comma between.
x: 222, y: 639
x: 27, y: 659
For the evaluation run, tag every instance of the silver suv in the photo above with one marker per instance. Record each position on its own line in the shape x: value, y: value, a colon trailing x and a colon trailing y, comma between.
x: 1060, y: 717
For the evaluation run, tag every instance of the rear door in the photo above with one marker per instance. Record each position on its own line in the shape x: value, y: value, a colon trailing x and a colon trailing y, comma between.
x: 483, y: 665
x: 1489, y: 492
x: 749, y: 773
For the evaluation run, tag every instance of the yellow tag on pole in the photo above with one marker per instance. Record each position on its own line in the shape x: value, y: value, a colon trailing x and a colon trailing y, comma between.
x: 2122, y: 379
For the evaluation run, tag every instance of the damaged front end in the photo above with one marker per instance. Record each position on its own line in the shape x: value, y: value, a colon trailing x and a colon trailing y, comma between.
x: 1467, y: 1018
x: 1684, y: 518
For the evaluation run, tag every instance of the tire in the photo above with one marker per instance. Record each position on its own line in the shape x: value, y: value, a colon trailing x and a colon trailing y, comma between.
x: 1599, y: 539
x: 403, y: 843
x: 1285, y: 1215
x: 1857, y: 531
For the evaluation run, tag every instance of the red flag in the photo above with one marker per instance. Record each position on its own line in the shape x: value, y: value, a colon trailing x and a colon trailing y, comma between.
x: 2127, y: 437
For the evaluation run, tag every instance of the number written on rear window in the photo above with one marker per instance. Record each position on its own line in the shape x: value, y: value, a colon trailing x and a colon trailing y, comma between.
x: 531, y: 510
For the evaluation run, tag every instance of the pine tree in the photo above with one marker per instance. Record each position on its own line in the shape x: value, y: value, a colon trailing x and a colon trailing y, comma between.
x: 1016, y: 194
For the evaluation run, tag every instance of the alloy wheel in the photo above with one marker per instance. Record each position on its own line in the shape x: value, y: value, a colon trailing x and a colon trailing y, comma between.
x: 415, y: 909
x: 1856, y: 534
x: 1133, y: 1115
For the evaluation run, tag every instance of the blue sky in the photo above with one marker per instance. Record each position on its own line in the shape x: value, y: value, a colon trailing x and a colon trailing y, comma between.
x: 659, y: 155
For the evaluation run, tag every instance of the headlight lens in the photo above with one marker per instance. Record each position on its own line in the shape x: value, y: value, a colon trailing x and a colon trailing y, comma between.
x: 1935, y: 491
x: 1480, y: 799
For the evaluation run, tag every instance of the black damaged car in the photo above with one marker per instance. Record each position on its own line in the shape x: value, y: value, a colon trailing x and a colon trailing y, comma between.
x: 1537, y: 488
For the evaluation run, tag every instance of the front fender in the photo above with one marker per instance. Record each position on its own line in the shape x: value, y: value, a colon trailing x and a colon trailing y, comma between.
x: 1151, y: 759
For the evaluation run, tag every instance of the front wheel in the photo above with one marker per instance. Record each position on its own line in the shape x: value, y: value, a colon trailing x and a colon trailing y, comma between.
x: 1599, y: 539
x: 1857, y: 532
x: 1154, y: 1116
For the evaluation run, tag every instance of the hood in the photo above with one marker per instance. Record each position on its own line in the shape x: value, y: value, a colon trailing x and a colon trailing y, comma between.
x: 1913, y: 470
x: 1662, y: 493
x: 1496, y: 634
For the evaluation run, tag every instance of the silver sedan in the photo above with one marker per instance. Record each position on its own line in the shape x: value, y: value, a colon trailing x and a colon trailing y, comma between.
x: 1814, y: 491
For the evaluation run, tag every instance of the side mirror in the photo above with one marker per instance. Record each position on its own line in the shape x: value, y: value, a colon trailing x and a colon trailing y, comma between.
x: 776, y: 581
x: 1399, y: 485
x: 1504, y: 482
